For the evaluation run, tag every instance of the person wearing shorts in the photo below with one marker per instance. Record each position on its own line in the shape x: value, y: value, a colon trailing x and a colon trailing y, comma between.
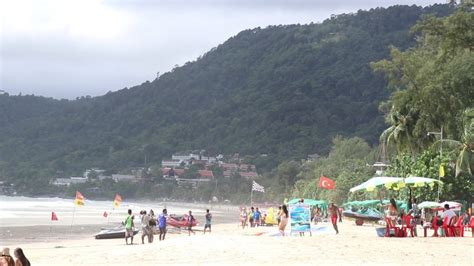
x: 129, y: 227
x: 333, y: 213
x: 190, y: 223
x: 208, y: 221
x: 162, y: 224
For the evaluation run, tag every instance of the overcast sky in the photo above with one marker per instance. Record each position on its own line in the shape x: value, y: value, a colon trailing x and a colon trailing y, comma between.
x: 71, y: 48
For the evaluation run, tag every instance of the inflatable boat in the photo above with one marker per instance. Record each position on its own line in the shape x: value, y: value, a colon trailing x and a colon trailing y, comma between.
x: 115, y: 232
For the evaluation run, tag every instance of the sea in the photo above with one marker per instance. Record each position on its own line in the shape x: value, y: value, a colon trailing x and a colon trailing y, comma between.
x: 27, y: 211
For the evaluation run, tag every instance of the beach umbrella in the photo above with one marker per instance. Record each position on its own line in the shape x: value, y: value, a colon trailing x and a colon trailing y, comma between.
x: 417, y: 181
x: 429, y: 205
x: 379, y: 181
x: 455, y: 206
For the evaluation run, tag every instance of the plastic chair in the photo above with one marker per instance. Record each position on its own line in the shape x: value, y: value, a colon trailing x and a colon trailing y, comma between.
x: 391, y: 226
x: 435, y: 226
x: 452, y: 226
x: 445, y: 226
x: 408, y: 225
x: 459, y: 228
x: 471, y: 225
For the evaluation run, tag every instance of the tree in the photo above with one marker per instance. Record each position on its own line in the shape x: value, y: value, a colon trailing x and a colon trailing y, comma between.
x: 432, y: 82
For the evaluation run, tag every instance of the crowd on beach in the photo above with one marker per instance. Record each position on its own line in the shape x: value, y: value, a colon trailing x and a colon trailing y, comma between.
x: 7, y: 260
x: 150, y: 224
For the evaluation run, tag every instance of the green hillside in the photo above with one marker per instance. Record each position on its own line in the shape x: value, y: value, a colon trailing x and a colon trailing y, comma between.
x: 285, y: 91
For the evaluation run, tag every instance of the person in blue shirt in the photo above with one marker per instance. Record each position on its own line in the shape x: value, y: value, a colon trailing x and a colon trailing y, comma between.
x: 257, y: 217
x: 162, y: 224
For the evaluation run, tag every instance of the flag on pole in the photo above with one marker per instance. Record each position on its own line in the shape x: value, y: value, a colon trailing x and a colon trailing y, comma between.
x: 326, y: 183
x: 258, y: 187
x: 105, y: 214
x: 54, y: 217
x: 441, y: 170
x: 117, y: 200
x: 79, y: 201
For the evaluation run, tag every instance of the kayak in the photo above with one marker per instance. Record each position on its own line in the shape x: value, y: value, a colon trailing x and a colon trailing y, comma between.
x: 111, y: 233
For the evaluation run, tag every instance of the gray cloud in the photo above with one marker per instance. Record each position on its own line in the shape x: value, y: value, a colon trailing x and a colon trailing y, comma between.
x: 122, y: 43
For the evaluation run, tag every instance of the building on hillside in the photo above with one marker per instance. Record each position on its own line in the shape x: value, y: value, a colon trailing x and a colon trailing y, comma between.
x: 167, y: 172
x: 206, y: 174
x: 249, y: 175
x: 229, y: 166
x: 247, y: 168
x: 185, y: 157
x: 171, y: 163
x: 118, y: 178
x: 94, y: 171
x: 66, y: 182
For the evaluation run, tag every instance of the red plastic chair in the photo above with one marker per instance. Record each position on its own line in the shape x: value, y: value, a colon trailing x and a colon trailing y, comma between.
x: 390, y: 226
x: 452, y: 226
x: 408, y: 225
x: 471, y: 225
x: 459, y: 228
x: 445, y: 226
x: 435, y: 226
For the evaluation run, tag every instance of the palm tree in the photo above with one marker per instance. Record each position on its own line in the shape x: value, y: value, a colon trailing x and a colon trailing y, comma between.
x: 399, y: 134
x: 465, y: 157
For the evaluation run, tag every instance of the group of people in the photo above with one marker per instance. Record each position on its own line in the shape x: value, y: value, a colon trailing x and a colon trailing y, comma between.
x: 394, y: 213
x: 148, y: 224
x: 253, y: 217
x: 20, y: 259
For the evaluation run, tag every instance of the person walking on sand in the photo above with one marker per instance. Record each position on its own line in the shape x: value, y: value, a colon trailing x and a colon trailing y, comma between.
x: 334, y: 213
x: 243, y: 217
x: 283, y: 220
x: 146, y: 228
x: 21, y: 260
x: 162, y: 224
x: 129, y: 227
x: 208, y: 221
x: 190, y: 223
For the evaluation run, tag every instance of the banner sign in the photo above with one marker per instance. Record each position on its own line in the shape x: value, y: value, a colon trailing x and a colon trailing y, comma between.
x: 300, y: 215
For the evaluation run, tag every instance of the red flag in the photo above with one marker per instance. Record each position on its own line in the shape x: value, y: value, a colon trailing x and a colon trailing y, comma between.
x: 326, y: 183
x: 79, y: 201
x: 105, y: 214
x: 117, y: 200
x: 54, y: 217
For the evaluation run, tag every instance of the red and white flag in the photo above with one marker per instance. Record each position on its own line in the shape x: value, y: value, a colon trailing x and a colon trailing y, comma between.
x: 54, y: 217
x: 326, y: 183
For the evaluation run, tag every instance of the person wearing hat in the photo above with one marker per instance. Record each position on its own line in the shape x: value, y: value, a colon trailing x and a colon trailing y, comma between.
x: 6, y: 259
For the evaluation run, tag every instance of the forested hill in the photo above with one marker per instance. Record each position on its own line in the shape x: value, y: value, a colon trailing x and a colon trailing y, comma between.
x: 285, y: 91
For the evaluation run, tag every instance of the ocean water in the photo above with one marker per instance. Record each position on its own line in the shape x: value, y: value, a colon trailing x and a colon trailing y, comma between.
x: 25, y: 211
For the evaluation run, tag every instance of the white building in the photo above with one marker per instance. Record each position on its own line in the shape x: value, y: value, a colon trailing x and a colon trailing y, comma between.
x: 171, y: 163
x: 118, y: 178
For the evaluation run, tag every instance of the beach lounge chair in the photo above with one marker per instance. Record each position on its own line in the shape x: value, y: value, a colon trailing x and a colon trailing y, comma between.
x: 407, y: 225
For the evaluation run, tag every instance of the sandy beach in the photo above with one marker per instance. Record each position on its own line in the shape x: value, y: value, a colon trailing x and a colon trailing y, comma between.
x: 229, y: 245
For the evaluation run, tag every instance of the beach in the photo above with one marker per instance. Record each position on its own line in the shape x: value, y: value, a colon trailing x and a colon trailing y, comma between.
x: 230, y: 245
x: 50, y: 243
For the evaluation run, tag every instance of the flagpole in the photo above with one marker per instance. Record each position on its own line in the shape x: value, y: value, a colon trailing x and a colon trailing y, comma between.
x: 251, y: 193
x: 73, y: 214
